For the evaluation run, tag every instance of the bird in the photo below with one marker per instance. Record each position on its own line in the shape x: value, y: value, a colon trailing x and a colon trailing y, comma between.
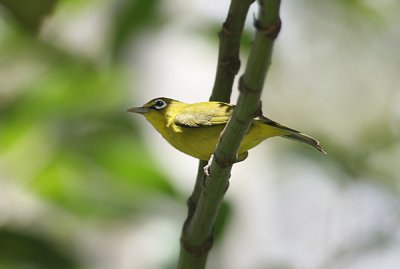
x: 195, y: 128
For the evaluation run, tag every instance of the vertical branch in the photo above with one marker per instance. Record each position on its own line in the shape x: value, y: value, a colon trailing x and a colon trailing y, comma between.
x: 229, y: 47
x: 197, y: 233
x: 227, y: 68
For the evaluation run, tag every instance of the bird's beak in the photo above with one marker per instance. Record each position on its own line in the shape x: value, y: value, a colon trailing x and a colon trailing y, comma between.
x: 139, y: 110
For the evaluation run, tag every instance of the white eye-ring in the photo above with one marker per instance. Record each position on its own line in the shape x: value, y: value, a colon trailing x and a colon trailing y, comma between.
x: 159, y: 104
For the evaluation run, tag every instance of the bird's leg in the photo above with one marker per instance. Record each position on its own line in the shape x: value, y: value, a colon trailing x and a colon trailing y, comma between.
x: 206, y: 168
x: 239, y: 158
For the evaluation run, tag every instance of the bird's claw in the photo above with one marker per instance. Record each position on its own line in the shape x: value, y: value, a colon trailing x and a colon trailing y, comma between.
x: 206, y: 168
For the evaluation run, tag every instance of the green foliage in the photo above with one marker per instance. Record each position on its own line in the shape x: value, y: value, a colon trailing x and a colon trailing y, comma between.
x: 29, y: 14
x: 75, y: 118
x: 132, y: 17
x: 65, y: 135
x: 65, y: 131
x: 24, y: 251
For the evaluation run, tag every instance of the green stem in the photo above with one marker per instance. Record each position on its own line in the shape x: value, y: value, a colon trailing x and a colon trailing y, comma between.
x: 229, y: 48
x: 197, y: 234
x: 227, y: 68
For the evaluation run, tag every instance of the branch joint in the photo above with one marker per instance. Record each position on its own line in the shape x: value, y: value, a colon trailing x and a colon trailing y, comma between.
x: 270, y: 30
x: 245, y: 89
x: 201, y: 250
x: 224, y: 30
x: 258, y: 112
x: 233, y: 64
x: 224, y: 162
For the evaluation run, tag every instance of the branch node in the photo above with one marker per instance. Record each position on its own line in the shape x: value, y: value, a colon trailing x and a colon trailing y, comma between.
x: 233, y: 64
x: 245, y: 89
x: 224, y: 30
x: 224, y: 162
x: 271, y: 30
x: 200, y: 250
x: 258, y: 111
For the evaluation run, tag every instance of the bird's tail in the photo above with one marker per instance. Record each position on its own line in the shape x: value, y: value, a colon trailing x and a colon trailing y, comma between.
x: 303, y: 138
x: 293, y: 134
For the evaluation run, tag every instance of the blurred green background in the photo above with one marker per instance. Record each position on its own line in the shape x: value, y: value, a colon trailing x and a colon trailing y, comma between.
x: 83, y: 184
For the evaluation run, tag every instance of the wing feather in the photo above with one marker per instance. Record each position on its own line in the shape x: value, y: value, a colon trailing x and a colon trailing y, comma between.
x: 204, y: 114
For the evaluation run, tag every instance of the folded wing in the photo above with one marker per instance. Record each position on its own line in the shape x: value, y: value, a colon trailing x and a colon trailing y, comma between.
x: 204, y: 114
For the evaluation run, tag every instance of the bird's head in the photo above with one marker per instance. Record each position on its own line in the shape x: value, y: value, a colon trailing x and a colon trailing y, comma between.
x: 158, y: 110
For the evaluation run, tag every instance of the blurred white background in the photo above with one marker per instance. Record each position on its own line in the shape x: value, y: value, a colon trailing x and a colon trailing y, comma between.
x: 334, y: 75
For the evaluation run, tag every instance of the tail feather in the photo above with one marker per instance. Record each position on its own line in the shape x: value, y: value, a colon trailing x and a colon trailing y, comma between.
x: 306, y: 140
x: 293, y: 134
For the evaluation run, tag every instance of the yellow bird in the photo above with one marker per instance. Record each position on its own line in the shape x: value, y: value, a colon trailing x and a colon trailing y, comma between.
x: 195, y: 128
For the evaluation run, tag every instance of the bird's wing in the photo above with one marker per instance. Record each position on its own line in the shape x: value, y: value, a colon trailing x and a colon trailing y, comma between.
x: 204, y: 114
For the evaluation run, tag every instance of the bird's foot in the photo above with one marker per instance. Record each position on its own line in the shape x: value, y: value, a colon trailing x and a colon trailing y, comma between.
x: 206, y: 168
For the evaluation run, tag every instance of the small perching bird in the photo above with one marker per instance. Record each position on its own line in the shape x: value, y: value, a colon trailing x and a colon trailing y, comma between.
x: 195, y: 128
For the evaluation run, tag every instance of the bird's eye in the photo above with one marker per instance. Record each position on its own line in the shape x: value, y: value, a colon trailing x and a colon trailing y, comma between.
x: 159, y: 104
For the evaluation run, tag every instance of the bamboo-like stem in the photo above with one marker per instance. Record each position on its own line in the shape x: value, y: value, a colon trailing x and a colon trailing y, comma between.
x: 197, y: 234
x: 227, y: 68
x: 229, y: 48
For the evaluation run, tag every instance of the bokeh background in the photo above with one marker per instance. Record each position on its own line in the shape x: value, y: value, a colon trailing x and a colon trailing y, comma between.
x: 84, y: 184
